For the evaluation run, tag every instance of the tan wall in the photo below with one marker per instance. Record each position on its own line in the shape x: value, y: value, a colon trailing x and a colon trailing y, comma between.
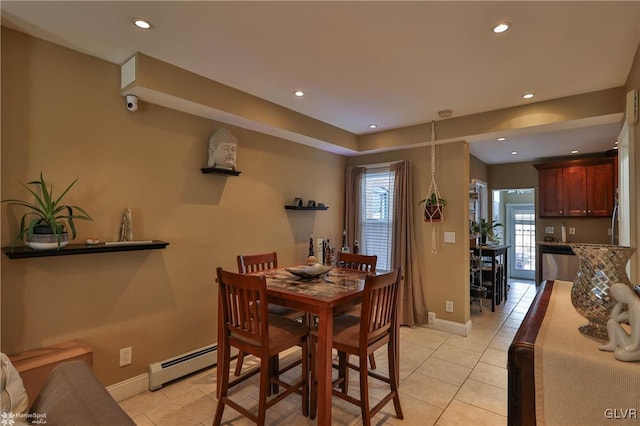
x: 445, y: 274
x: 478, y: 169
x: 62, y: 114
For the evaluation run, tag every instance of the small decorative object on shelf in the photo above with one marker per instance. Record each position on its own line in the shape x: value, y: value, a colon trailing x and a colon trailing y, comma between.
x: 223, y: 148
x: 599, y: 267
x: 45, y: 225
x: 356, y: 247
x: 297, y: 202
x: 311, y: 203
x: 126, y: 226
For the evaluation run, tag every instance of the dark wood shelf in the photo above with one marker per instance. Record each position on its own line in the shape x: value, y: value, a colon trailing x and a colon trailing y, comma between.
x: 23, y: 252
x: 216, y: 171
x: 305, y: 208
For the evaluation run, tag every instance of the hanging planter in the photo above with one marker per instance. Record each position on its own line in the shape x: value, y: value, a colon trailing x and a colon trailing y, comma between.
x: 433, y: 208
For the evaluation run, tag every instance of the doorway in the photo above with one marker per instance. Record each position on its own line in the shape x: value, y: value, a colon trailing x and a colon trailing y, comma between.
x: 520, y: 230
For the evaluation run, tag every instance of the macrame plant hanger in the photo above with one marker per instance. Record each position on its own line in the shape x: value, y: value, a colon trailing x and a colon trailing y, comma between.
x: 437, y: 214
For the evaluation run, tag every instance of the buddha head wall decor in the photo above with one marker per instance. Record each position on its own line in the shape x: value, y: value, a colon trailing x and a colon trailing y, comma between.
x: 223, y: 147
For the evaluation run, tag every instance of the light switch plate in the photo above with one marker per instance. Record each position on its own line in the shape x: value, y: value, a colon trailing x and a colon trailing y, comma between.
x: 450, y: 237
x: 548, y: 230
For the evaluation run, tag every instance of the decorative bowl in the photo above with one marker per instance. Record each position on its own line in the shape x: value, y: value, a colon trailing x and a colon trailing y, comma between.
x: 311, y: 271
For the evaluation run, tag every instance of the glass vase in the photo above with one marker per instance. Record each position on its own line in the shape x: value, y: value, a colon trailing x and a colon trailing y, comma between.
x: 599, y: 266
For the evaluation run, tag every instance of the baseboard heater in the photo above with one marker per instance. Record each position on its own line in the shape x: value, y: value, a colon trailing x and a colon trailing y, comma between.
x: 173, y: 368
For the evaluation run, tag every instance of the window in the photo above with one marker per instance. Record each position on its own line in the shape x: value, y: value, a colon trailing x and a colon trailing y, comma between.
x: 377, y: 201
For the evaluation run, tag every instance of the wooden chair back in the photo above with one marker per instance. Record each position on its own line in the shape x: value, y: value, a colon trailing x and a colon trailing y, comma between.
x: 379, y: 306
x: 244, y: 317
x: 360, y: 262
x: 257, y: 262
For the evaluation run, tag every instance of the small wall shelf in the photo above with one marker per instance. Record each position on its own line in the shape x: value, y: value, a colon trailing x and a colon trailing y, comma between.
x: 305, y: 208
x: 216, y: 171
x: 25, y: 252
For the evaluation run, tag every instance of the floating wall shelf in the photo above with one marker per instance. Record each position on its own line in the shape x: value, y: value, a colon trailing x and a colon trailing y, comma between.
x: 305, y: 208
x: 216, y: 171
x: 24, y: 252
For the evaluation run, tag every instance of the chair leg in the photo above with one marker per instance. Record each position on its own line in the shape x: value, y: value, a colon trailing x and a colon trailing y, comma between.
x: 343, y: 371
x: 239, y: 362
x: 372, y: 361
x: 262, y: 399
x: 224, y: 386
x: 392, y: 355
x: 364, y: 391
x: 313, y: 400
x: 305, y: 376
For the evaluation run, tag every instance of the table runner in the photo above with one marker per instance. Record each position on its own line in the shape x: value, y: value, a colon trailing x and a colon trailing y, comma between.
x: 577, y: 384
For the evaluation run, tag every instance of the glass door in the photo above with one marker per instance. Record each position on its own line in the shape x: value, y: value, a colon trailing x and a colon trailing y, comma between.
x: 520, y: 233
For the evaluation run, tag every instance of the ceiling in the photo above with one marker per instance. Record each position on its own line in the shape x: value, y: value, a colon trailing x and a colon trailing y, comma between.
x: 394, y: 64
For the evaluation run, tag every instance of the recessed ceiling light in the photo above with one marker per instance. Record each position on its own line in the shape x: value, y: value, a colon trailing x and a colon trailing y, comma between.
x: 514, y: 152
x: 528, y: 95
x: 615, y: 147
x: 445, y: 113
x: 299, y: 93
x: 574, y: 151
x: 141, y: 23
x: 501, y: 27
x: 373, y: 126
x: 502, y: 139
x: 615, y: 143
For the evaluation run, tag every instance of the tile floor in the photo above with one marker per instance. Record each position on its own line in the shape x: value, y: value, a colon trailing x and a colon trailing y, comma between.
x: 445, y: 380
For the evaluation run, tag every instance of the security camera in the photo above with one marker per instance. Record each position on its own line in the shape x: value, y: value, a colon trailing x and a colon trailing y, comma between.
x: 132, y: 103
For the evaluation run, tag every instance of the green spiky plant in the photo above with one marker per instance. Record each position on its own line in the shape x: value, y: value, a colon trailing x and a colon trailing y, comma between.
x: 47, y: 212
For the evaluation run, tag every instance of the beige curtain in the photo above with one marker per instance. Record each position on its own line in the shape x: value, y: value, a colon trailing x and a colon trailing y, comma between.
x: 412, y: 309
x: 353, y: 207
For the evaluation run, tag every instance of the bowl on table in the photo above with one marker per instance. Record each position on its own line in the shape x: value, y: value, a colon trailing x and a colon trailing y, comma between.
x: 310, y: 271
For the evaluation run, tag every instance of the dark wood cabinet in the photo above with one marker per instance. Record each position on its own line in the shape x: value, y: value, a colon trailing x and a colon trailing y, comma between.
x: 578, y: 188
x: 551, y: 182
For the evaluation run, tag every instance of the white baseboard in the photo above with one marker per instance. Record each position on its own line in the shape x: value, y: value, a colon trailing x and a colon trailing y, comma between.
x: 130, y: 387
x: 451, y: 327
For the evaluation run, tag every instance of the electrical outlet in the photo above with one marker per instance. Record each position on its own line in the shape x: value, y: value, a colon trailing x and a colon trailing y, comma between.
x: 432, y: 317
x: 548, y: 230
x: 572, y: 231
x: 126, y: 355
x: 448, y: 306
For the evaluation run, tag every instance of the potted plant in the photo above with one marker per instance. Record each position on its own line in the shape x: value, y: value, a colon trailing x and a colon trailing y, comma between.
x: 433, y: 206
x: 485, y: 228
x: 43, y: 226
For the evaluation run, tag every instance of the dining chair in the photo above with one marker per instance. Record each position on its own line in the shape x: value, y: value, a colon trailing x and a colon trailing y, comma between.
x: 248, y: 326
x: 361, y: 336
x: 257, y: 263
x: 359, y: 262
x: 363, y: 263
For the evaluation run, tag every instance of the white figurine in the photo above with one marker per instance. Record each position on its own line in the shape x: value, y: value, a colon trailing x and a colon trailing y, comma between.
x: 223, y: 147
x: 625, y: 346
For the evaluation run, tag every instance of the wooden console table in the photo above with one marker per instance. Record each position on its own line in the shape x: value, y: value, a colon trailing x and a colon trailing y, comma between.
x: 558, y: 376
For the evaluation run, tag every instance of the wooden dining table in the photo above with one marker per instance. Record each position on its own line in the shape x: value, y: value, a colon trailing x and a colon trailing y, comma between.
x: 323, y: 295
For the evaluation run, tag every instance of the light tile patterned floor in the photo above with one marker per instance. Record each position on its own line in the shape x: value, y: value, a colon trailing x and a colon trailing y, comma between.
x: 446, y: 380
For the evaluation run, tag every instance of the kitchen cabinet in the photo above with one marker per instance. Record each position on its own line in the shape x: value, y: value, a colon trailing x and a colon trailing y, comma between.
x: 551, y: 192
x: 578, y: 188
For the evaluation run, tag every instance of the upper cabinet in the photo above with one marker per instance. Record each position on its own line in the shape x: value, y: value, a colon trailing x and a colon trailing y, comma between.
x: 578, y: 188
